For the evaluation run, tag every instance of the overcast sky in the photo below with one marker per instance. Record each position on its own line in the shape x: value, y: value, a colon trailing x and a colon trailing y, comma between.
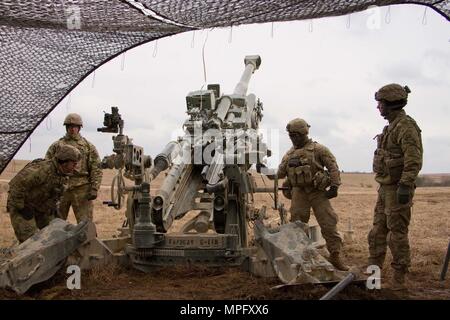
x: 325, y: 72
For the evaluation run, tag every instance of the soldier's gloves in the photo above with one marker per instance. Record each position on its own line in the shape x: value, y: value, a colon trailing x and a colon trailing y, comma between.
x: 287, y: 192
x: 92, y: 195
x: 403, y: 194
x: 332, y: 192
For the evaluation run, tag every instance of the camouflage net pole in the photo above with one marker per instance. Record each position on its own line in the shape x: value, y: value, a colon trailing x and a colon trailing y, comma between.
x: 339, y: 287
x: 48, y: 47
x: 445, y: 264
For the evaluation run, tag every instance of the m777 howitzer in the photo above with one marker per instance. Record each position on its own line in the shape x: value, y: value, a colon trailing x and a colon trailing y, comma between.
x: 207, y: 173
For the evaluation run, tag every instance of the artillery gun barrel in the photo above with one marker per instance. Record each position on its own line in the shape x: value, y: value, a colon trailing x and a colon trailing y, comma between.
x: 164, y: 196
x: 165, y: 158
x: 252, y: 63
x: 222, y: 108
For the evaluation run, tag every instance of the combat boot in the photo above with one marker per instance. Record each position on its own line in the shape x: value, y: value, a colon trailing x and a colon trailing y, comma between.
x: 372, y: 262
x: 398, y: 281
x: 375, y: 262
x: 337, y: 262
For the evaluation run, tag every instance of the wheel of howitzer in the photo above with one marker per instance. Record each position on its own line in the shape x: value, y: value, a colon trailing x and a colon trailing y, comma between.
x: 118, y: 191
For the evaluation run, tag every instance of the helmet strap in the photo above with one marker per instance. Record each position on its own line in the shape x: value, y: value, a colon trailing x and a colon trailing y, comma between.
x: 299, y: 141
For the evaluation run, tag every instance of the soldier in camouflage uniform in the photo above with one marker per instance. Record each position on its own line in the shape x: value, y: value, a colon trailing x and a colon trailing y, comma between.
x: 35, y: 191
x: 85, y: 183
x: 397, y: 162
x: 304, y: 166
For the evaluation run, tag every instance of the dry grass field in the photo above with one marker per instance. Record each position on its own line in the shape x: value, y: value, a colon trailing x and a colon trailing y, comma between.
x: 429, y: 236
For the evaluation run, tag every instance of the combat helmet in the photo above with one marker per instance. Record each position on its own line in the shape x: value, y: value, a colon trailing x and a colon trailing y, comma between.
x: 299, y: 126
x: 393, y: 95
x: 73, y: 119
x: 67, y: 153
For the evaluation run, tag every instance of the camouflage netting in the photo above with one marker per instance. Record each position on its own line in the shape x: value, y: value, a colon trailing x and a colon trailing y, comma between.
x: 48, y: 47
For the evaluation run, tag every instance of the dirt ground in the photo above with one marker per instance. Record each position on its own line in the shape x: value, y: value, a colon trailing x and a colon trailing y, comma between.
x: 429, y: 236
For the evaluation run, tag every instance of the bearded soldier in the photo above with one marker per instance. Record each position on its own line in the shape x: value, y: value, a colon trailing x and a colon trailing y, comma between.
x: 304, y: 166
x: 34, y: 193
x: 397, y: 162
x: 85, y: 183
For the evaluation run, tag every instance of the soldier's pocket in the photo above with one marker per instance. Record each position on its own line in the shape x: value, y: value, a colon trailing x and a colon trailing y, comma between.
x: 307, y: 174
x: 321, y: 180
x: 399, y: 218
x: 390, y: 199
x: 379, y: 218
x: 378, y: 163
x: 395, y: 168
x: 300, y: 176
x: 292, y: 176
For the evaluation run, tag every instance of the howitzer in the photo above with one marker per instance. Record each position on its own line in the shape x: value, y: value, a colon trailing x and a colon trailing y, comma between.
x: 129, y: 159
x: 207, y: 172
x: 220, y: 145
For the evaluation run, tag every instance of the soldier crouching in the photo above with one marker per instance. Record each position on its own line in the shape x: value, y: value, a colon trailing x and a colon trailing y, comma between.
x: 35, y: 191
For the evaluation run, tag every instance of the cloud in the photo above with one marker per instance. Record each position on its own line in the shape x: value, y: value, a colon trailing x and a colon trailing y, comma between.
x: 327, y: 77
x: 432, y: 70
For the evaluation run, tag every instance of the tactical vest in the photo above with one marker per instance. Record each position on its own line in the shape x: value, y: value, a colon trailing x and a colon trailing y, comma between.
x: 388, y: 160
x: 83, y: 170
x: 304, y: 171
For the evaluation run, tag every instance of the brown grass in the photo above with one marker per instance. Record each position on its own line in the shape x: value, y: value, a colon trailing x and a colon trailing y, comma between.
x: 429, y: 236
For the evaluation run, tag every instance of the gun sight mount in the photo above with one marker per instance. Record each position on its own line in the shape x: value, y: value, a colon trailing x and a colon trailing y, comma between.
x: 112, y: 122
